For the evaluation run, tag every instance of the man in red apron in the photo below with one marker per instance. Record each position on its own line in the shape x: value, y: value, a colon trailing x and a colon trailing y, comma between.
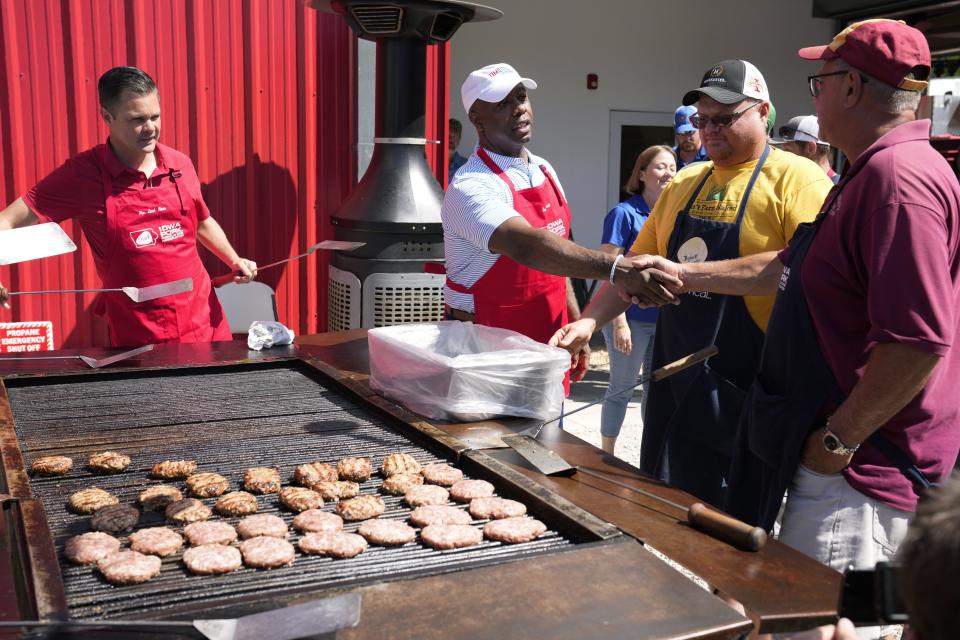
x: 140, y: 208
x: 506, y: 223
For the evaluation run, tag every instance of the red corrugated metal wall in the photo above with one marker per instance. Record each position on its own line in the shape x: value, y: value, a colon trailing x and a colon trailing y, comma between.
x: 259, y: 93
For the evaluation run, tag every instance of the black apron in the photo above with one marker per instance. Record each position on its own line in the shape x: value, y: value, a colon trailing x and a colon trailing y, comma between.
x: 789, y: 398
x: 691, y: 417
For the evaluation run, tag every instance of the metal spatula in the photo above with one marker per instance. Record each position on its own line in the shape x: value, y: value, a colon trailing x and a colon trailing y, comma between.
x: 327, y: 245
x: 33, y: 242
x: 309, y: 619
x: 93, y: 363
x: 137, y: 294
x: 547, y: 461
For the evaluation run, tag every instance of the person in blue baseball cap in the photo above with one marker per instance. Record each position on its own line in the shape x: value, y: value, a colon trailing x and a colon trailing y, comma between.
x: 688, y: 147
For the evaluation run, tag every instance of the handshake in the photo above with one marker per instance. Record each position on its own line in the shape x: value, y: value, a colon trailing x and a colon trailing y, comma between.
x: 644, y: 280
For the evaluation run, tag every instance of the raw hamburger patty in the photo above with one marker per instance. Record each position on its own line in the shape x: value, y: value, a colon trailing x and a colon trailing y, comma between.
x: 156, y: 541
x: 115, y: 518
x: 513, y: 530
x: 396, y: 463
x: 51, y: 466
x: 300, y: 499
x: 236, y: 503
x: 399, y: 483
x: 87, y: 548
x: 187, y: 510
x: 305, y: 474
x: 335, y: 545
x: 389, y: 533
x: 261, y: 480
x: 108, y: 462
x: 264, y: 552
x: 207, y: 485
x: 156, y: 498
x: 89, y: 500
x: 467, y: 490
x: 450, y: 536
x: 128, y: 567
x: 316, y: 521
x: 262, y: 524
x: 496, y: 508
x: 442, y: 474
x: 172, y: 469
x: 360, y: 508
x: 426, y: 494
x: 355, y: 469
x: 438, y: 514
x: 337, y: 490
x: 211, y: 559
x: 207, y: 533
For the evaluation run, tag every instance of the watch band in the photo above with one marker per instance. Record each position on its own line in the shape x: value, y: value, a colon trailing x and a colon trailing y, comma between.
x: 833, y: 444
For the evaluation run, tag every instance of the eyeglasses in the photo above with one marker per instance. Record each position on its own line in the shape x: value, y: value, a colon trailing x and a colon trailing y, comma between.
x: 787, y: 133
x: 816, y: 82
x: 701, y: 121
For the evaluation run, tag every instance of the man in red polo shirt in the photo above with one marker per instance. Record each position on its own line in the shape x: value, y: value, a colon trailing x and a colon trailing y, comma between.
x: 140, y: 207
x: 855, y: 408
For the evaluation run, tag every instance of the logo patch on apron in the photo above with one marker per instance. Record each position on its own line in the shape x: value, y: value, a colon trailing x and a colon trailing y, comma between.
x: 144, y: 237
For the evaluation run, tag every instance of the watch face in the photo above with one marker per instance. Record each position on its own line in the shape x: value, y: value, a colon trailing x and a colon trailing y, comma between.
x: 830, y: 442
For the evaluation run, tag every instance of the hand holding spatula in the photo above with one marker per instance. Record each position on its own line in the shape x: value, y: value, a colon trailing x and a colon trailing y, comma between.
x: 329, y: 245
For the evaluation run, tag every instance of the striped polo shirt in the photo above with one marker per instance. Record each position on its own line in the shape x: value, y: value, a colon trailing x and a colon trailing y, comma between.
x: 475, y: 204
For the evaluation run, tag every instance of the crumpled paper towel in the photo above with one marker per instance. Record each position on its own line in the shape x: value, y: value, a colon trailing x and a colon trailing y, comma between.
x: 268, y: 334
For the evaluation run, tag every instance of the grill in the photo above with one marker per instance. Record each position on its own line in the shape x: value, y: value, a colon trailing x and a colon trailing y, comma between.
x: 229, y: 418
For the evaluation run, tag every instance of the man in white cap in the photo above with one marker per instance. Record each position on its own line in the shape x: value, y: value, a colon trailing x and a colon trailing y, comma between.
x: 506, y: 224
x: 747, y: 199
x: 801, y: 135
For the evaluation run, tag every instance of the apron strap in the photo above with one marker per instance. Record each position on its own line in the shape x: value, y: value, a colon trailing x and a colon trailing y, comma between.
x: 497, y: 171
x: 553, y: 183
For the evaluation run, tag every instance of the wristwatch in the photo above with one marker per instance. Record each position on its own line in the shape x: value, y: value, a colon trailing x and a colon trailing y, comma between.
x: 833, y: 444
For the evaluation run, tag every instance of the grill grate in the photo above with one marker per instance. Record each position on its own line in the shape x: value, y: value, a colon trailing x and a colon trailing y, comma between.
x: 227, y: 419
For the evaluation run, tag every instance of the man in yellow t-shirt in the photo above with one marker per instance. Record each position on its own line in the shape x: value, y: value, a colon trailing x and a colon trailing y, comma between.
x: 749, y: 199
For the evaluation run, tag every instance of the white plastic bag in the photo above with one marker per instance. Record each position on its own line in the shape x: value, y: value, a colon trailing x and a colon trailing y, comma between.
x: 466, y: 372
x: 268, y: 333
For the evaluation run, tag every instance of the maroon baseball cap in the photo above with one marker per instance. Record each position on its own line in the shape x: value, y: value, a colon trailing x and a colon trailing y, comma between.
x: 886, y: 49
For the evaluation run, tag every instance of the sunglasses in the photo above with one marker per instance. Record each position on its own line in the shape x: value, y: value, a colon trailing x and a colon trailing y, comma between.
x: 701, y: 121
x: 787, y: 133
x: 816, y: 82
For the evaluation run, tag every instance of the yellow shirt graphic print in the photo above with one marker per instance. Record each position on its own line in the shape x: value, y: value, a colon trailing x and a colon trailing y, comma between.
x: 788, y: 191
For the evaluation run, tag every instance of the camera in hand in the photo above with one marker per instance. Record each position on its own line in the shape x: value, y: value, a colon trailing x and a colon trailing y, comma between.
x: 871, y: 596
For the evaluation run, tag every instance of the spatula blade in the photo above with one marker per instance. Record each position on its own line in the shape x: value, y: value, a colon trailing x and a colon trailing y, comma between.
x: 546, y: 461
x: 154, y: 291
x: 34, y: 242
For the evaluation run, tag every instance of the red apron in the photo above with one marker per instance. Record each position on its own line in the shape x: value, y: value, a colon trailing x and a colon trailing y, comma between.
x: 152, y: 239
x: 512, y: 296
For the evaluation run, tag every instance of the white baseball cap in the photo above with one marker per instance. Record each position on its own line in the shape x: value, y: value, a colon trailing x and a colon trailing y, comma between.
x: 492, y: 83
x: 799, y: 129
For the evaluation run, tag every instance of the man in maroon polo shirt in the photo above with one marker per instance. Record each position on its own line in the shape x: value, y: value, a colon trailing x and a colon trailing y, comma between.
x: 139, y: 205
x: 855, y: 408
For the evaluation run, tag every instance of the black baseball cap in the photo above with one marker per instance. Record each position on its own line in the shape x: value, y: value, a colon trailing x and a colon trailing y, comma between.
x: 729, y: 82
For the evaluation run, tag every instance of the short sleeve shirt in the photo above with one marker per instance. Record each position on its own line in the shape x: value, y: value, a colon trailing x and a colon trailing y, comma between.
x: 620, y: 229
x: 885, y: 268
x: 74, y: 190
x: 789, y: 190
x: 475, y: 204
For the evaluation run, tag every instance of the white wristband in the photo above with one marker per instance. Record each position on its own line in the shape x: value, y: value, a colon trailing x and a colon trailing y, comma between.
x: 613, y: 269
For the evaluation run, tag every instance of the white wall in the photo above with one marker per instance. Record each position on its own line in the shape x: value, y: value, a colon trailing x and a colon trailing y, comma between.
x: 647, y: 54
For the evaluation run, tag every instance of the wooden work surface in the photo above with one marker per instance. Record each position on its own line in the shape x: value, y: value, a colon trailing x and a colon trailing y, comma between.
x: 781, y: 588
x: 609, y: 589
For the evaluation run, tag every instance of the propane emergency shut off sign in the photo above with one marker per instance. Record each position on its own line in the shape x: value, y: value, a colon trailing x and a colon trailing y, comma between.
x: 25, y: 337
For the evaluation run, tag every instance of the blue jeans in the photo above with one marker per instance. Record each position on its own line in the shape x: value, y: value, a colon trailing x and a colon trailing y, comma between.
x: 624, y: 368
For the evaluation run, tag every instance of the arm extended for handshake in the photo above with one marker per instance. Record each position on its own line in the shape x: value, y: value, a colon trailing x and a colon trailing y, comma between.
x: 750, y: 275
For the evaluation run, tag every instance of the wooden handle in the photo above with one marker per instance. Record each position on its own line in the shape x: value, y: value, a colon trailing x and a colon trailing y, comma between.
x: 723, y: 527
x: 219, y: 281
x: 668, y: 370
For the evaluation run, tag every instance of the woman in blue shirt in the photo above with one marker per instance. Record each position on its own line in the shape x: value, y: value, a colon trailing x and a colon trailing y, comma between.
x: 630, y: 336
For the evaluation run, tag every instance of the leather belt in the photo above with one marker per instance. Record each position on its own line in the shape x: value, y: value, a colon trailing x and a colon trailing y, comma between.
x: 449, y: 313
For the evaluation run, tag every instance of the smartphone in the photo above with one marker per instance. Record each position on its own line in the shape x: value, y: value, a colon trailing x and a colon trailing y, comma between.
x: 872, y: 596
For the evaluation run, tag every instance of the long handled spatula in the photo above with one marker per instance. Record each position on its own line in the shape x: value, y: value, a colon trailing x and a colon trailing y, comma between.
x: 137, y: 294
x: 93, y: 363
x: 327, y: 245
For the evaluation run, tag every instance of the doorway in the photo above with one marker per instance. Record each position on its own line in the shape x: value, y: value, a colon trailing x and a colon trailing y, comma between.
x: 630, y: 133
